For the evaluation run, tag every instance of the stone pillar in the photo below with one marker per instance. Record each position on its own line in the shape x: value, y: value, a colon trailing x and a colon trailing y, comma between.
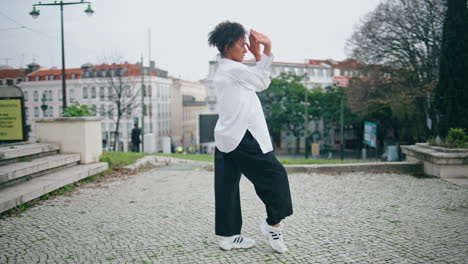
x: 74, y: 135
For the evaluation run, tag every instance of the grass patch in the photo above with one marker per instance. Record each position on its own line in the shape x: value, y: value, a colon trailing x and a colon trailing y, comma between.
x: 126, y: 158
x: 121, y: 159
x: 199, y: 157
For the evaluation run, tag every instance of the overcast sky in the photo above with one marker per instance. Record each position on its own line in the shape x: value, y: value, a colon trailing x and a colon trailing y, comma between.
x: 299, y: 29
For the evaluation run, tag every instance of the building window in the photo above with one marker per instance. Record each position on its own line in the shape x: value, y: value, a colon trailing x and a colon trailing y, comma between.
x: 101, y: 93
x: 36, y: 111
x: 93, y: 92
x: 26, y: 112
x: 25, y: 94
x: 51, y: 111
x: 72, y: 95
x: 128, y: 90
x: 110, y: 92
x: 85, y: 92
x: 111, y: 111
x: 103, y: 111
x: 129, y: 110
x: 72, y: 76
x: 36, y: 96
x: 60, y: 110
x: 93, y: 110
x: 50, y: 95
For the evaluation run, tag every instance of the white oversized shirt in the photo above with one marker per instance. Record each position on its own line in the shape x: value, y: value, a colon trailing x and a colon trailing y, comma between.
x: 238, y: 105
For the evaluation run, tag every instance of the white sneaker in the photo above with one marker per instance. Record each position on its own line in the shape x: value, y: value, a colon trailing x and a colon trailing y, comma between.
x: 274, y: 235
x: 236, y: 241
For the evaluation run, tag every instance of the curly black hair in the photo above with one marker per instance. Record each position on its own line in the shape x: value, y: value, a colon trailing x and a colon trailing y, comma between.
x: 225, y: 35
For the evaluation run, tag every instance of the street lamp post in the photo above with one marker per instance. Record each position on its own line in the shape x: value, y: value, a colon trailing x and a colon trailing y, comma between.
x: 35, y: 13
x: 142, y: 69
x: 306, y: 124
x: 342, y: 130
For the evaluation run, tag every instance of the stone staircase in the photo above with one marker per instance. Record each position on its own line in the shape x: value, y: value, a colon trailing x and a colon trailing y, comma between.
x: 30, y: 170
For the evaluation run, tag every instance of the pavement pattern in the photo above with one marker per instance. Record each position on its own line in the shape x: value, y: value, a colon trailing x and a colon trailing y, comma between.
x: 166, y: 215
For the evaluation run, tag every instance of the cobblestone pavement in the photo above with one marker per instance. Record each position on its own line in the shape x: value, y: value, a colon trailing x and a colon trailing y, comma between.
x: 166, y: 216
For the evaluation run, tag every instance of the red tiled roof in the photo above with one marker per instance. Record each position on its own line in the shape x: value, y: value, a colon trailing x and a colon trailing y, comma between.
x: 44, y: 72
x: 132, y: 69
x: 318, y: 62
x: 56, y: 73
x: 290, y: 63
x: 11, y: 73
x: 348, y: 64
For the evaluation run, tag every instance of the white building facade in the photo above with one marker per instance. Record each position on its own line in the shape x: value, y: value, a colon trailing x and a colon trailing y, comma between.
x: 188, y: 102
x: 92, y: 86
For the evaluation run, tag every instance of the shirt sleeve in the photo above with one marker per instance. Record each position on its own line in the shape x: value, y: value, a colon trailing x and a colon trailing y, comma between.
x: 256, y: 77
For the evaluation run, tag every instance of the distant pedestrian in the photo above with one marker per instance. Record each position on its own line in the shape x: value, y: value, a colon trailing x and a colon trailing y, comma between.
x: 243, y: 143
x: 136, y: 132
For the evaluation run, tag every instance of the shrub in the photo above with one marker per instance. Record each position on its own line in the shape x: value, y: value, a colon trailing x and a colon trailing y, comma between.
x: 75, y: 109
x: 456, y: 138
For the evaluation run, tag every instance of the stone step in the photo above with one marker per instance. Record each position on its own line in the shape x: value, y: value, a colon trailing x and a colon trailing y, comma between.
x: 22, y: 192
x: 14, y: 153
x: 35, y: 167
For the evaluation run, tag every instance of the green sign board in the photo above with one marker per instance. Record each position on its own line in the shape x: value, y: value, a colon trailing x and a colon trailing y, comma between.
x: 11, y: 119
x: 370, y: 134
x: 12, y: 123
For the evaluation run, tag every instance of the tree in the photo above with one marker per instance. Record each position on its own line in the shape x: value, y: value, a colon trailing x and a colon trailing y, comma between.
x: 385, y: 101
x: 120, y: 80
x: 329, y: 101
x: 451, y: 93
x: 283, y: 105
x: 405, y: 37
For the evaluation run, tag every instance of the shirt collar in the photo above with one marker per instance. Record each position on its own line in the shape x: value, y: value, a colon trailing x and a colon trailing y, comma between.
x: 224, y: 60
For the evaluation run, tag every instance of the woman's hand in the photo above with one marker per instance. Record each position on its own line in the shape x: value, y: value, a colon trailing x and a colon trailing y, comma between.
x: 261, y: 39
x: 254, y: 47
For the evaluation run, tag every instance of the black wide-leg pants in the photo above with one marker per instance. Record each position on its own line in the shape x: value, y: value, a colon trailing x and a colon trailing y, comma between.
x: 265, y: 172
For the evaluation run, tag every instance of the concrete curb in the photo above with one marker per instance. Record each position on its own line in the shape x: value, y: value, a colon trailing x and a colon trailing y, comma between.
x: 377, y: 167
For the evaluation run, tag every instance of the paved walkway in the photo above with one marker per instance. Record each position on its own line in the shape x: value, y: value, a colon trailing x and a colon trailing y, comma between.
x: 166, y: 216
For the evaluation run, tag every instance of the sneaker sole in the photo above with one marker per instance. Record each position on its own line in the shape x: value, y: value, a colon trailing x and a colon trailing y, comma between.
x: 236, y: 247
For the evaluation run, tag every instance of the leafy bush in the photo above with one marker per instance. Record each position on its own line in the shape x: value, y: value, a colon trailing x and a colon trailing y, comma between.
x: 456, y: 138
x: 75, y: 109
